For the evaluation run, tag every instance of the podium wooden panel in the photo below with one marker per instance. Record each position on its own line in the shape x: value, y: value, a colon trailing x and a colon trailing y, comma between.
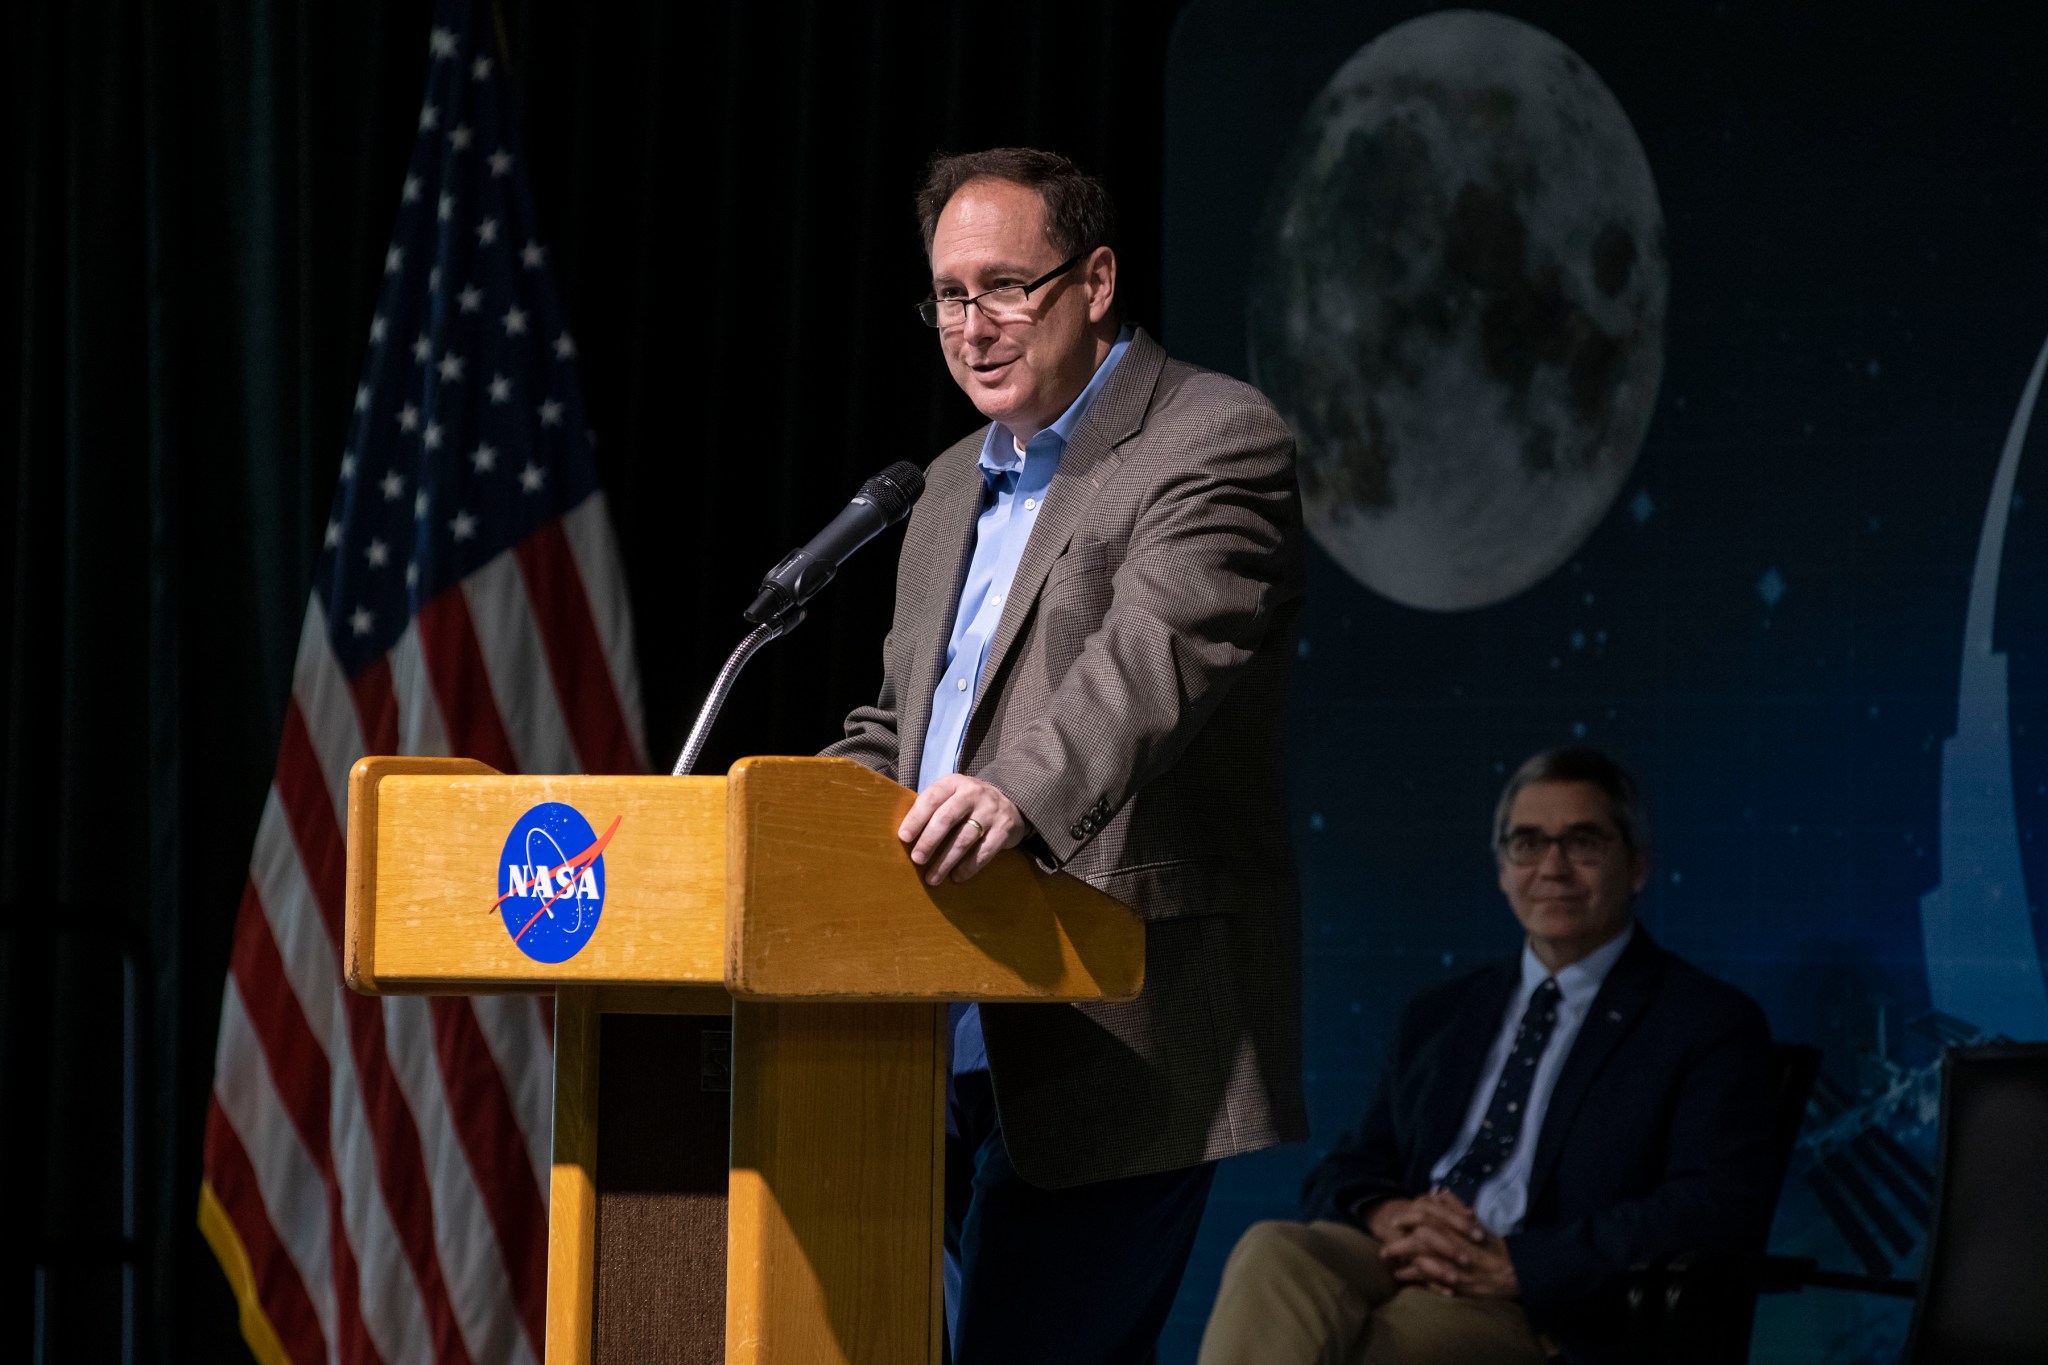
x: 775, y: 971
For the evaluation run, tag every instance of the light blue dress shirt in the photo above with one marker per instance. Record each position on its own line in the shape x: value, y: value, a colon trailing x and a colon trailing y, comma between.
x: 1017, y: 484
x: 1504, y: 1198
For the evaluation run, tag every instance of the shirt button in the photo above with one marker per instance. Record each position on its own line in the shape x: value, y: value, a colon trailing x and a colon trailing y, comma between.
x: 961, y: 685
x: 1030, y: 503
x: 996, y: 601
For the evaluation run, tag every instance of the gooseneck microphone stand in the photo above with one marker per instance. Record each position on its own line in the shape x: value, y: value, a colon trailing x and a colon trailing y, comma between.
x: 773, y: 629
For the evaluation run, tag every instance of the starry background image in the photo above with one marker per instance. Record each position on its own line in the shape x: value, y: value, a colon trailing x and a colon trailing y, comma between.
x: 1768, y: 620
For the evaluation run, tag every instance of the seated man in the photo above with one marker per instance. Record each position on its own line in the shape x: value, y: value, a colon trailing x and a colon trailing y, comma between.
x: 1540, y: 1126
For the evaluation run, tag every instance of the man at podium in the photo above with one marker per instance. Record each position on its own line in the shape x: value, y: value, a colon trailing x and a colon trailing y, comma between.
x: 1095, y: 611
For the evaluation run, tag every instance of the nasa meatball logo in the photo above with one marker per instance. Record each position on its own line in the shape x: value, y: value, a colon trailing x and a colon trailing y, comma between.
x: 551, y: 881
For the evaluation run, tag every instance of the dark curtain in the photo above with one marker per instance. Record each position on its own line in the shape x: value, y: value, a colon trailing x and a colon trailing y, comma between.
x: 198, y: 197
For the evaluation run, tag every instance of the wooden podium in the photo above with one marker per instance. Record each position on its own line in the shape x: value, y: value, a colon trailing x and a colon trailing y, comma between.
x: 750, y: 1051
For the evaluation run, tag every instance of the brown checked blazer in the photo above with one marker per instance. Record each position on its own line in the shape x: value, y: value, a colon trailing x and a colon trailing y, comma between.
x: 1132, y: 706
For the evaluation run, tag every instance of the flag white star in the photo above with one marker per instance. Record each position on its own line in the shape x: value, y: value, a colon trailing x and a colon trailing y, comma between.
x: 394, y: 485
x: 501, y: 389
x: 333, y: 536
x: 532, y: 477
x: 464, y: 526
x: 532, y: 254
x: 441, y: 42
x: 433, y: 436
x: 362, y: 398
x: 408, y: 418
x: 378, y: 553
x: 550, y: 413
x: 412, y: 575
x: 480, y: 69
x: 434, y: 280
x: 450, y: 367
x: 394, y: 260
x: 378, y: 329
x: 422, y: 348
x: 487, y: 232
x: 411, y: 193
x: 419, y: 503
x: 348, y: 464
x: 458, y: 137
x: 484, y: 458
x: 360, y: 620
x: 565, y: 346
x: 430, y: 117
x: 446, y: 209
x: 501, y: 162
x: 515, y: 322
x: 472, y: 299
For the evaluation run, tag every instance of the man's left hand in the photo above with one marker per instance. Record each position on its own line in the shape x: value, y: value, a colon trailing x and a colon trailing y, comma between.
x: 1431, y: 1259
x: 1487, y: 1273
x: 958, y: 824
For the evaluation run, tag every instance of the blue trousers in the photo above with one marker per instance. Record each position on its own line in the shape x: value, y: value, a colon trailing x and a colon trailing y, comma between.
x: 1080, y: 1276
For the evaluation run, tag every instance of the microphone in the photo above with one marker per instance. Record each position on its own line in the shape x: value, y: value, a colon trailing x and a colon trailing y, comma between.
x: 882, y: 501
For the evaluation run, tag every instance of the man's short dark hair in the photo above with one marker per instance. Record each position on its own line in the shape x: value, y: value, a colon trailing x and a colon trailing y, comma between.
x: 1624, y: 797
x: 1079, y: 214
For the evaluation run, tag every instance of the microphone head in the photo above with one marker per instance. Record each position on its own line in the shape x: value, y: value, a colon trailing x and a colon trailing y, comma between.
x: 895, y: 489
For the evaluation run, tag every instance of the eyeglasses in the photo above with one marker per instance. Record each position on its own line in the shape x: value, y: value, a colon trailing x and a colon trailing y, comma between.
x: 1528, y: 847
x: 1009, y: 303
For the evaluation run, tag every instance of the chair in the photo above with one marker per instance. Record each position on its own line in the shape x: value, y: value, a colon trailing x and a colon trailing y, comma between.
x: 1682, y: 1313
x: 1982, y: 1295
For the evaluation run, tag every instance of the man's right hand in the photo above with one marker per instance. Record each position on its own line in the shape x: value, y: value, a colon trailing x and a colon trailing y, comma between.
x: 1435, y: 1229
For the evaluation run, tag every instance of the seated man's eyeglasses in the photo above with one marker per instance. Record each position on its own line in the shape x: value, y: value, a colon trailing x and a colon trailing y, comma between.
x: 1006, y: 303
x: 1581, y: 844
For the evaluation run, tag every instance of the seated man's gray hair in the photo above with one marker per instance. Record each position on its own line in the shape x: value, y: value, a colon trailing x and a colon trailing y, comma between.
x: 1581, y: 764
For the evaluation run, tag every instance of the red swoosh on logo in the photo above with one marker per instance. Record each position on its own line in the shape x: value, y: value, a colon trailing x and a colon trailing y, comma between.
x: 587, y: 856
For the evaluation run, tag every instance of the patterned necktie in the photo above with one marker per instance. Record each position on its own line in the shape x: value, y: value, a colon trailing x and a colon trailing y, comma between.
x: 1502, y: 1126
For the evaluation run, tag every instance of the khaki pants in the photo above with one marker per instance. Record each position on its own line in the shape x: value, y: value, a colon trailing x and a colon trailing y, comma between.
x: 1318, y: 1294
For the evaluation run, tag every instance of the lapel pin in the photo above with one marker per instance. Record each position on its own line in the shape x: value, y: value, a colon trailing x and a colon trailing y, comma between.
x: 1615, y: 1015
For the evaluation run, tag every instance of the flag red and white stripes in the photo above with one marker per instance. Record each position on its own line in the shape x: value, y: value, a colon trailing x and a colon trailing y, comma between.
x: 376, y: 1168
x: 383, y: 1162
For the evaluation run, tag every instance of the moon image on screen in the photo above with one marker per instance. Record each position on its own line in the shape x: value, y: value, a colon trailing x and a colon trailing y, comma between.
x: 1457, y: 301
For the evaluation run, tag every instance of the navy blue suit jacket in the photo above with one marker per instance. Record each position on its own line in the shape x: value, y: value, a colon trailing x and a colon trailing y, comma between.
x: 1658, y: 1137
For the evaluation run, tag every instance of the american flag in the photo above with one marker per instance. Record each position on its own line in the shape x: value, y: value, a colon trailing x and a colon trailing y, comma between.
x: 376, y: 1171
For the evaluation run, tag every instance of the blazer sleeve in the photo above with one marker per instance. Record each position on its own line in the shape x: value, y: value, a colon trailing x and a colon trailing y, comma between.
x: 1213, y: 555
x: 1368, y: 1162
x: 1716, y: 1193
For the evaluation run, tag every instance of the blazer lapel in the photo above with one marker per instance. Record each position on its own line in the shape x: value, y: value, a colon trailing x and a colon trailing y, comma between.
x: 1117, y: 414
x: 1621, y: 1001
x: 1462, y: 1063
x: 949, y: 541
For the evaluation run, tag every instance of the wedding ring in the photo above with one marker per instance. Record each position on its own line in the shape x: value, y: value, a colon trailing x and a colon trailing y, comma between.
x: 979, y: 832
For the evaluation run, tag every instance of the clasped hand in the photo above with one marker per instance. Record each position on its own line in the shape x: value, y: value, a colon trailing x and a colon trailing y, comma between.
x: 940, y: 828
x: 1437, y: 1243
